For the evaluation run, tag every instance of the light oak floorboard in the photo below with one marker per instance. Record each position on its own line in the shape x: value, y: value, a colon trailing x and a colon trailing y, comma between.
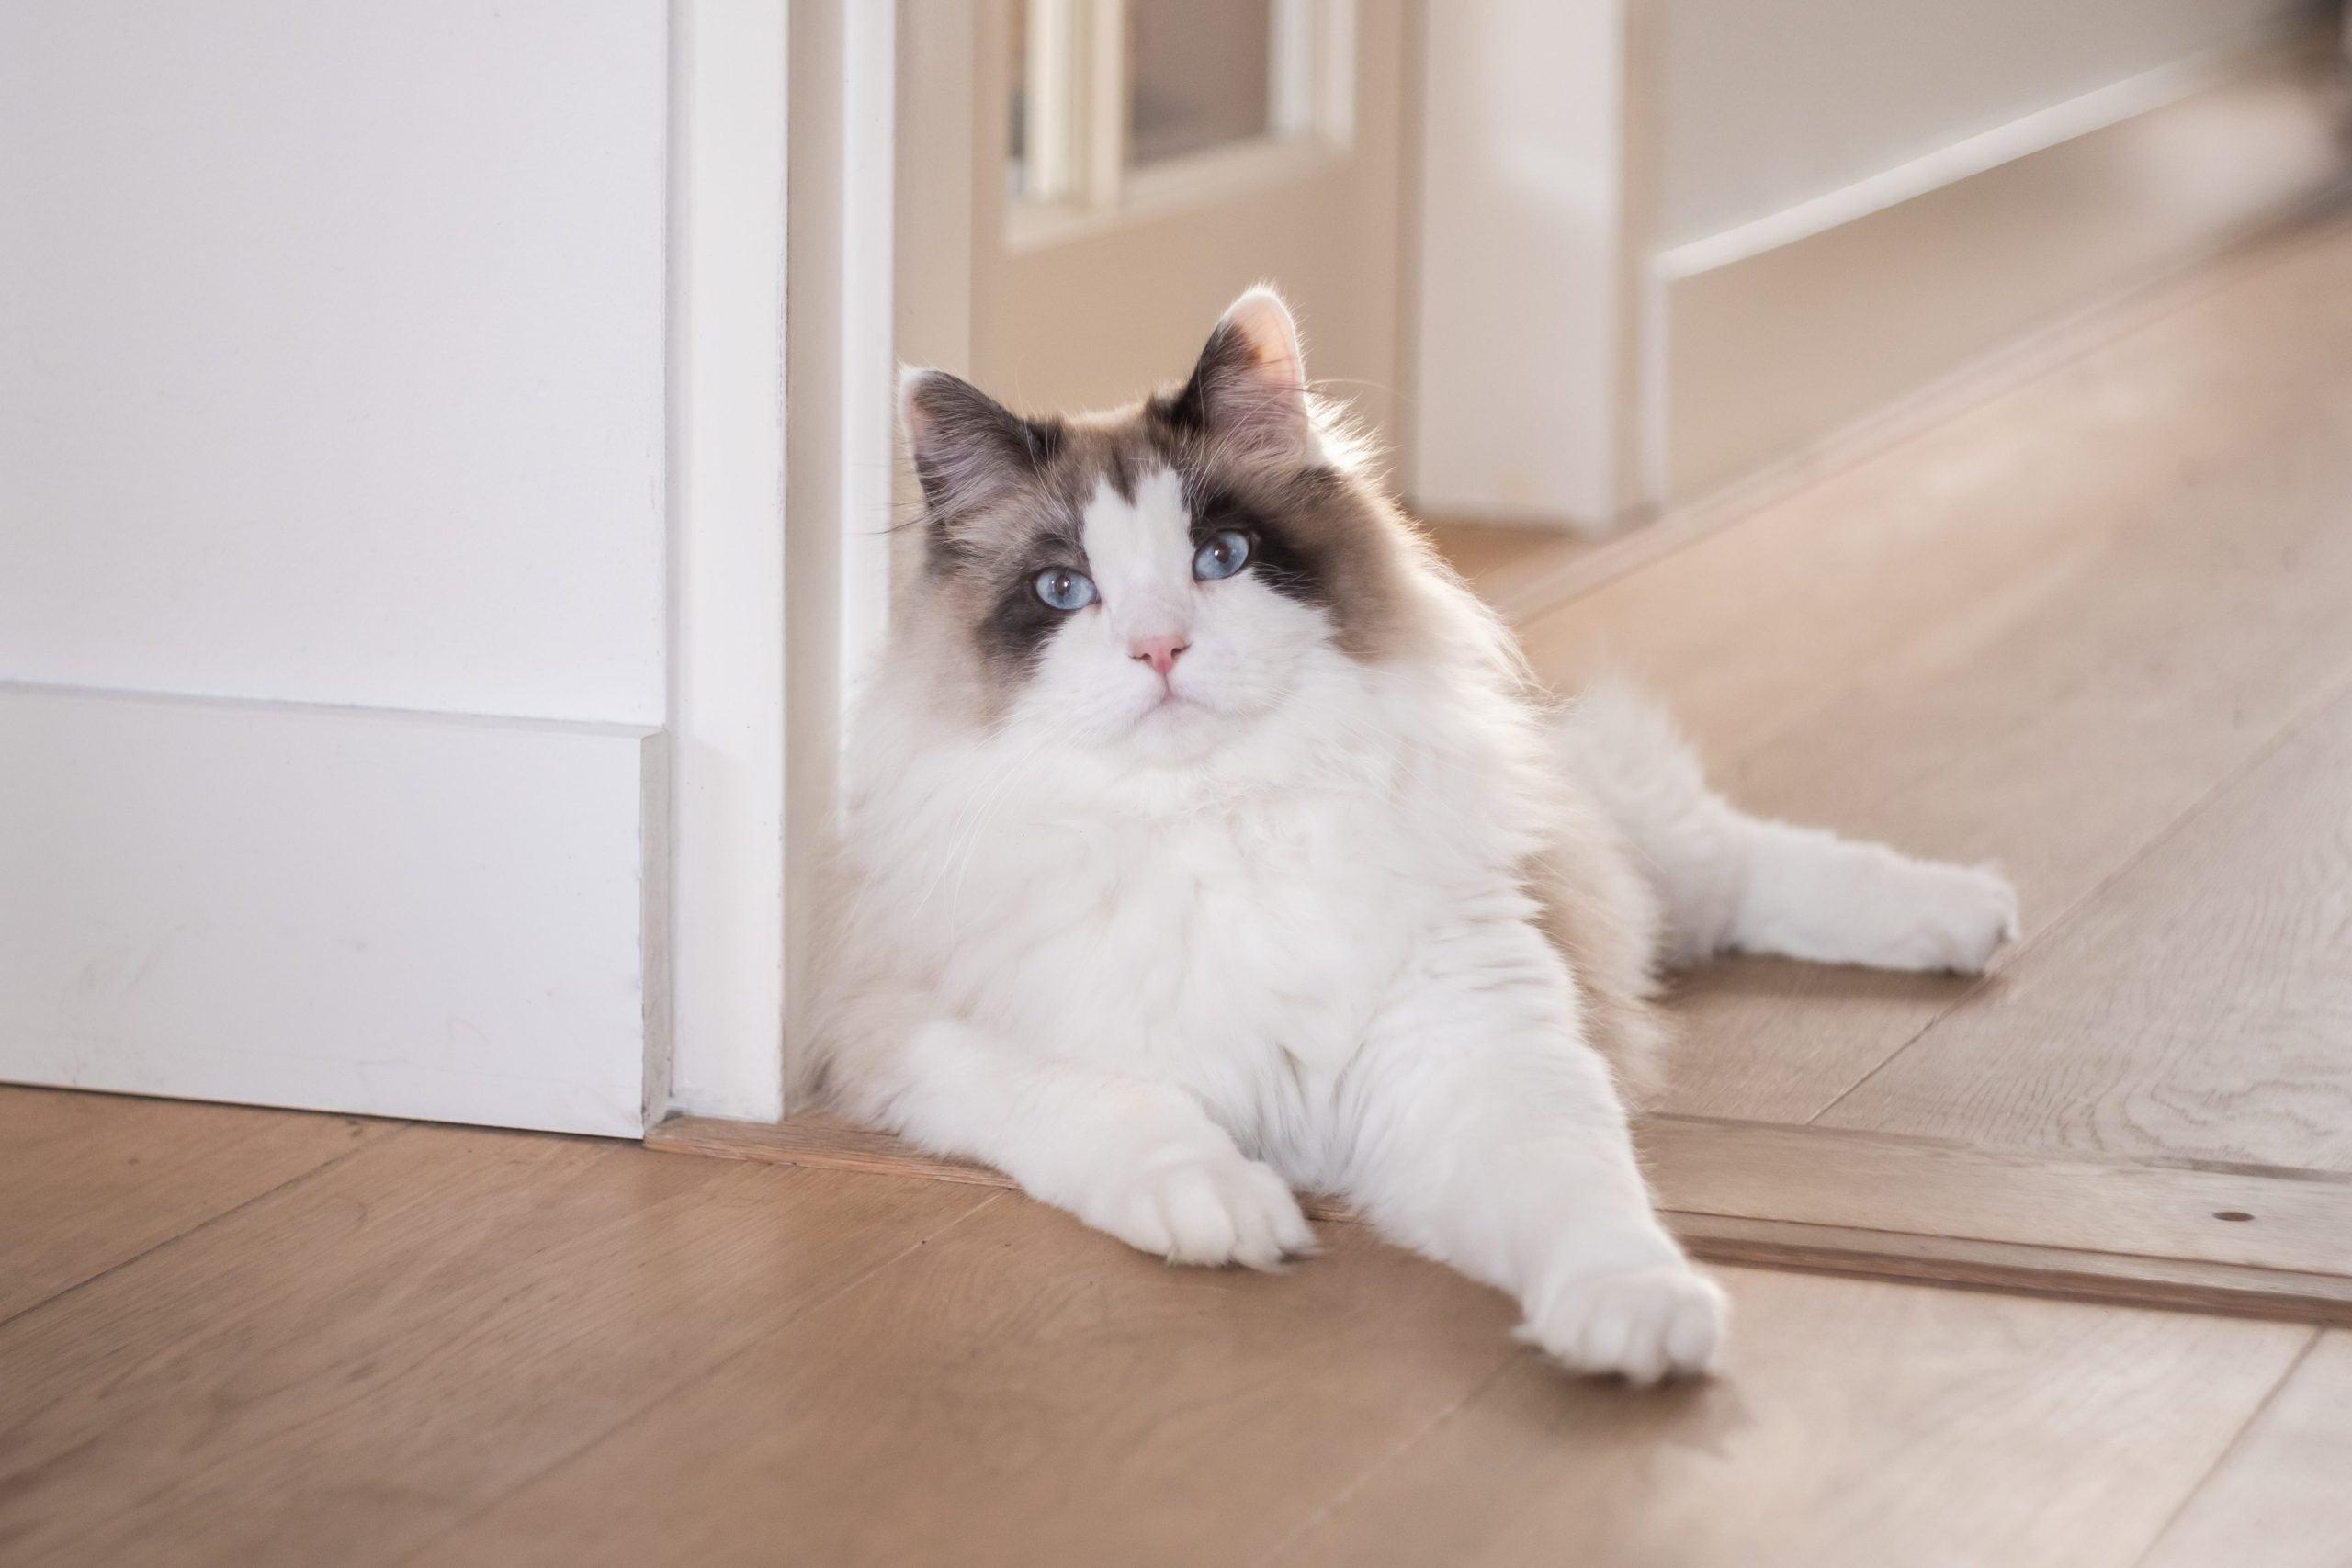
x: 342, y: 1370
x: 1862, y: 1424
x: 466, y: 1346
x: 2238, y: 1240
x: 2041, y: 635
x: 2062, y: 757
x: 2197, y: 1010
x: 1024, y: 1391
x: 2232, y: 1239
x: 88, y: 1181
x: 2283, y: 1498
x: 2243, y: 1218
x: 2200, y: 1008
x: 1959, y: 1262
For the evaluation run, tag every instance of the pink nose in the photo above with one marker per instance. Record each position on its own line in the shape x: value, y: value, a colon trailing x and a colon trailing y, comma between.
x: 1159, y: 652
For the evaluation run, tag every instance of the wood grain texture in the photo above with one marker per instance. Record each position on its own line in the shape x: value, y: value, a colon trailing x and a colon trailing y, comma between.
x: 1876, y: 1207
x: 339, y: 1371
x: 821, y: 1141
x: 2200, y: 1008
x: 1860, y: 1425
x: 1064, y: 1399
x: 462, y: 1346
x: 2283, y: 1496
x: 2175, y: 1284
x: 87, y: 1181
x: 1024, y: 1391
x: 2290, y: 1222
x: 2041, y: 634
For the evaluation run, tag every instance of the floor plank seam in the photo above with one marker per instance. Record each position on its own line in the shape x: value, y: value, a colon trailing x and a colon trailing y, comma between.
x: 2237, y: 1440
x: 2339, y: 690
x: 207, y: 1223
x: 1975, y: 988
x: 1411, y: 1441
x: 2173, y: 1275
x: 1899, y: 1233
x: 2089, y: 1289
x: 426, y: 1550
x: 2193, y: 1163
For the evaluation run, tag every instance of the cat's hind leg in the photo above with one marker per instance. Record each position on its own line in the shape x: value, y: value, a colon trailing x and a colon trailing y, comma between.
x: 1809, y: 894
x: 1731, y: 882
x: 1136, y: 1159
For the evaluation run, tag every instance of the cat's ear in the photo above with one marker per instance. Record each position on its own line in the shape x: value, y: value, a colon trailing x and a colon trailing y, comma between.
x: 1248, y: 391
x: 968, y: 449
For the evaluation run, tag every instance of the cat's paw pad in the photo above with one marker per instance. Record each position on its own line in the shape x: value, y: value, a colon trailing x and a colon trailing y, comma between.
x: 1965, y: 914
x: 1208, y: 1210
x: 1646, y: 1323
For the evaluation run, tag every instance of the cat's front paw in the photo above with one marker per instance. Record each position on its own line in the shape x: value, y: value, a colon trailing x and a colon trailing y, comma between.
x: 1208, y: 1208
x: 1965, y: 914
x: 1666, y: 1320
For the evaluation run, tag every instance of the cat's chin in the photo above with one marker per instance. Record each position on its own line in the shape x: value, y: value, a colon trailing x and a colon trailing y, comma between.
x: 1179, y: 729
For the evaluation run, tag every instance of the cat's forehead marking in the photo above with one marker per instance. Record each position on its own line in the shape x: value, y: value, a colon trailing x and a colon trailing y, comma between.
x: 1140, y: 532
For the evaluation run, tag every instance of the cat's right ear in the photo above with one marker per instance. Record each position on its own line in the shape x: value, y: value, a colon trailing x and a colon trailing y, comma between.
x: 968, y: 449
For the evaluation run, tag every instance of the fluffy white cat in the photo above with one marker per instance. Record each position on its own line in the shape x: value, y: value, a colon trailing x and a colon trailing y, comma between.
x: 1205, y: 839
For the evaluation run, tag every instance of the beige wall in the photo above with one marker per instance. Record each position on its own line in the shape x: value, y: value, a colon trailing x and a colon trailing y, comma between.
x: 1630, y: 207
x: 1763, y: 106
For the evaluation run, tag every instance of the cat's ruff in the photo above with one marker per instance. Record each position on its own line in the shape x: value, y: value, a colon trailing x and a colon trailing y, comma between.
x: 1204, y: 839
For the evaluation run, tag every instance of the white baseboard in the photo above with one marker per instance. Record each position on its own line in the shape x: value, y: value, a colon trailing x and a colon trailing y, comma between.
x: 1769, y: 339
x: 400, y: 915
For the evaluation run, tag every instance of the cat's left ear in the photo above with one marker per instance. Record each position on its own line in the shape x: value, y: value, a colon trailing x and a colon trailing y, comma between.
x: 1248, y: 391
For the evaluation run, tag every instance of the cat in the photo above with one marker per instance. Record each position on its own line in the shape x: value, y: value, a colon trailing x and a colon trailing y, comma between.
x: 1204, y: 839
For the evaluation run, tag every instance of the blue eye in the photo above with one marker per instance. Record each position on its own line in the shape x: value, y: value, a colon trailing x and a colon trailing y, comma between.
x: 1064, y: 589
x: 1222, y: 557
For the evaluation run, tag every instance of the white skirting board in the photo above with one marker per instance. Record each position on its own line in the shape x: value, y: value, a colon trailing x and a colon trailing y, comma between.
x: 394, y: 914
x: 1766, y: 341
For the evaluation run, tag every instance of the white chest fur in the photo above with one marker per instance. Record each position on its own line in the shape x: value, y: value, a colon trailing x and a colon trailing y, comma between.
x: 1235, y: 932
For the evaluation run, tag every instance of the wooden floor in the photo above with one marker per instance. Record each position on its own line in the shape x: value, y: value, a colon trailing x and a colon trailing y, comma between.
x: 2098, y: 628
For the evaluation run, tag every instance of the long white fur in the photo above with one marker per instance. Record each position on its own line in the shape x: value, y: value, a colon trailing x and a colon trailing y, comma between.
x: 1166, y: 961
x: 1730, y: 881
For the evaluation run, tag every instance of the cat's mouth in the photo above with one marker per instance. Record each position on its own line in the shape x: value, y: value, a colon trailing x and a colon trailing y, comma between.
x: 1169, y: 701
x: 1173, y: 710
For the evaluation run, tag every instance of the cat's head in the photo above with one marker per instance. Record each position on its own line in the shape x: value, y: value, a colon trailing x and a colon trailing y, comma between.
x: 1153, y: 578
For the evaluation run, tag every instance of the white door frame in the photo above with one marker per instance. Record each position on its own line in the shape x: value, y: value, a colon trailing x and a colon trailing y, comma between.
x: 782, y: 362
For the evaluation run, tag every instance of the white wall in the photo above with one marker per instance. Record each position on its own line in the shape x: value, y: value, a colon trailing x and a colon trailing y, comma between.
x: 1762, y: 107
x: 332, y: 373
x: 331, y: 347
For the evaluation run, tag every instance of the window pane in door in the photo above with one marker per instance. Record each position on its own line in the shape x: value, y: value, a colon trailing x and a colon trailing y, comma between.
x: 1016, y: 82
x: 1200, y: 76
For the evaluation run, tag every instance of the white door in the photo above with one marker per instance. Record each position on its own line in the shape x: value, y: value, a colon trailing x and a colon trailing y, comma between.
x: 1153, y: 159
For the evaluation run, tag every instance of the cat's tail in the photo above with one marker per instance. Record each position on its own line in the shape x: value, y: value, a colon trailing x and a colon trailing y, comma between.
x: 1729, y: 881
